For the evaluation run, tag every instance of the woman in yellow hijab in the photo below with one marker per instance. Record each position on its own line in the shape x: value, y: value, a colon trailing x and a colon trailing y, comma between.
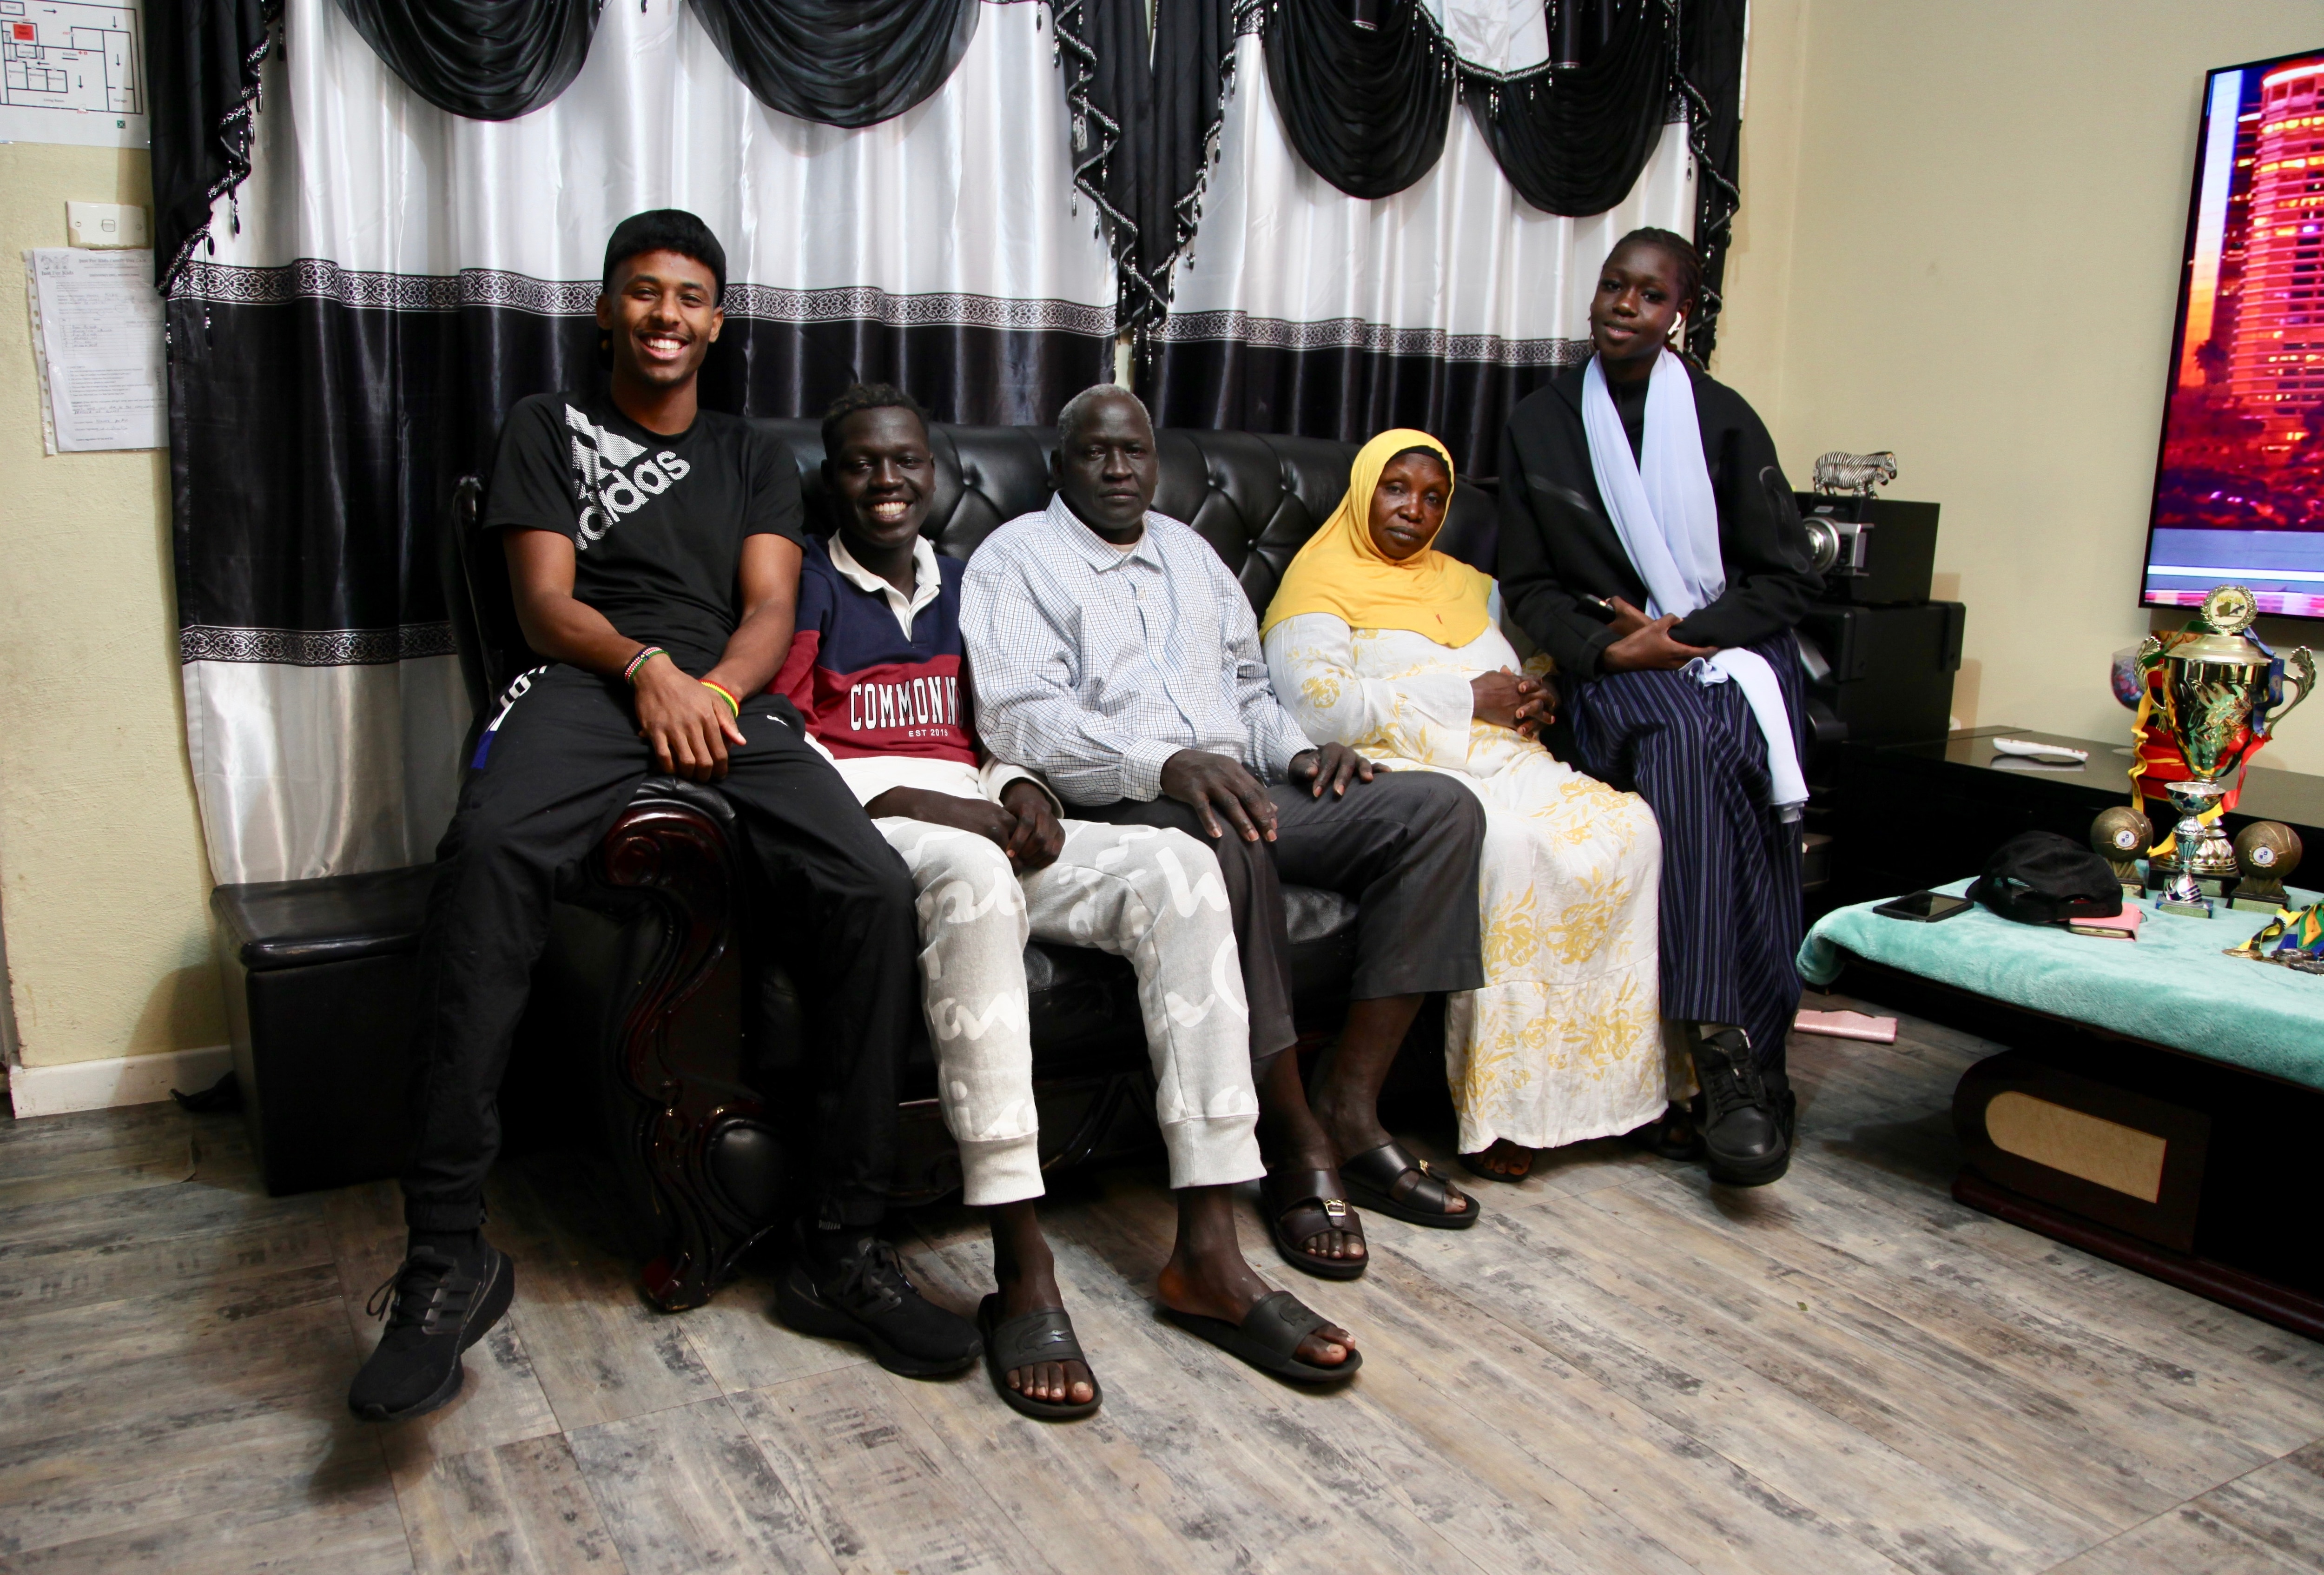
x: 1380, y: 642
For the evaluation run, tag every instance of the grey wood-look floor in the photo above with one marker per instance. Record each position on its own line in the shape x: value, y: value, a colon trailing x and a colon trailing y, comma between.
x: 1620, y: 1369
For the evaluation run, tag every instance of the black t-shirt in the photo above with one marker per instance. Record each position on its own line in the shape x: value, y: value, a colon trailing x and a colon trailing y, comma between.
x: 656, y: 523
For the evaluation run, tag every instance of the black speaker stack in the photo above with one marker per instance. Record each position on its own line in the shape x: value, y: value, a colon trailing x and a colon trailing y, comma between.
x: 1880, y: 653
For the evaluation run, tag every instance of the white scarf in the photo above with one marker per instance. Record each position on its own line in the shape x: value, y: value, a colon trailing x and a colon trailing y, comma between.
x: 1667, y: 515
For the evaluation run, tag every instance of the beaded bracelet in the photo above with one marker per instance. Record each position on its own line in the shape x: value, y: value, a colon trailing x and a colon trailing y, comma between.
x: 645, y: 653
x: 726, y: 694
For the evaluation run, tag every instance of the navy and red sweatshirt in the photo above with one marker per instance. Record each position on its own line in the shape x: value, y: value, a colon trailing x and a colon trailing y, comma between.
x: 864, y: 689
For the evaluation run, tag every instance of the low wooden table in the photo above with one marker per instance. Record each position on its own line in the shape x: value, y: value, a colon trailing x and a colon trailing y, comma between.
x: 2150, y: 1149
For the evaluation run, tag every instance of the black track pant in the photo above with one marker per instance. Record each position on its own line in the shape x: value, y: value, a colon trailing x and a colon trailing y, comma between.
x: 1404, y: 845
x: 548, y: 777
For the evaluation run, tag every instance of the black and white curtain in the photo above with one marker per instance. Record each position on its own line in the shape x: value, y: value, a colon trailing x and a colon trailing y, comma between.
x: 1407, y: 208
x: 397, y: 270
x: 381, y: 223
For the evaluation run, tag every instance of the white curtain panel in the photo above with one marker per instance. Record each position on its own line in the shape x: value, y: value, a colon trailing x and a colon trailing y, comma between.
x: 1457, y: 266
x: 324, y: 770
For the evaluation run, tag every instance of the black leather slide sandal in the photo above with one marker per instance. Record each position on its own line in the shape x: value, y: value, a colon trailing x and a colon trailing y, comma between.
x: 1026, y: 1342
x: 1269, y: 1337
x: 1401, y: 1187
x: 1302, y: 1205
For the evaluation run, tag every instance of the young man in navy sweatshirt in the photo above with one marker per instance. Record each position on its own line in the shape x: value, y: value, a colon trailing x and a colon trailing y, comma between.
x: 876, y: 669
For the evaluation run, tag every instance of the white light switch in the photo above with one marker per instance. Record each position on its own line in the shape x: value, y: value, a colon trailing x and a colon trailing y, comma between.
x: 105, y: 224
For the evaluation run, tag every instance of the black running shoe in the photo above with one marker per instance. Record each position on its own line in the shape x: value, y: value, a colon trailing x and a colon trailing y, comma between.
x: 437, y: 1306
x: 1747, y: 1131
x: 864, y: 1296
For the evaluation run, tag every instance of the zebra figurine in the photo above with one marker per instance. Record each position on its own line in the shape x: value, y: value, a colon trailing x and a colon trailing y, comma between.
x: 1837, y: 474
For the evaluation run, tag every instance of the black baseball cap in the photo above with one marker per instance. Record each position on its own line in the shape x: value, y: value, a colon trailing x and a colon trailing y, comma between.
x: 2039, y: 878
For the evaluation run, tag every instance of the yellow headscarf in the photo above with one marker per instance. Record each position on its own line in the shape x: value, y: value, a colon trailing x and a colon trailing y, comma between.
x: 1339, y: 571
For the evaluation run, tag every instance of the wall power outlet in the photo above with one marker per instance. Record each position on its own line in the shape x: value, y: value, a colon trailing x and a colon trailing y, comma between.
x: 105, y: 224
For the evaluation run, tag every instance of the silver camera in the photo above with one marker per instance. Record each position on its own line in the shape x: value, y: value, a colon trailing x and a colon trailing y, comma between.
x: 1838, y: 546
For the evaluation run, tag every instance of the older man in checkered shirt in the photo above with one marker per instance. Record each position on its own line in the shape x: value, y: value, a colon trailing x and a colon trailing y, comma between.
x: 1113, y: 652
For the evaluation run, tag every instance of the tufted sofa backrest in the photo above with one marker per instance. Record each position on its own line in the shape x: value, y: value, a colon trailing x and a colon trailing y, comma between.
x: 1255, y: 498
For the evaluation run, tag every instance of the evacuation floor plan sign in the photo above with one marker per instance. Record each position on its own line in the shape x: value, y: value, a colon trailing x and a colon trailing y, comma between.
x: 72, y: 73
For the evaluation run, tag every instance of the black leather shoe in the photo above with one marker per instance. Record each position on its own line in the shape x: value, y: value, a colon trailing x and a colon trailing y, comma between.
x: 1747, y: 1131
x: 437, y: 1306
x: 863, y: 1295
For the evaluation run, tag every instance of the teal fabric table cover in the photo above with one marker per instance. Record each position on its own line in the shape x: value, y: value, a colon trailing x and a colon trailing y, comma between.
x: 2170, y: 987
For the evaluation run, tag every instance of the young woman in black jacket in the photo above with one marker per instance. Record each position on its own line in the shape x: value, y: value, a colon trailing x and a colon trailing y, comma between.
x: 1650, y: 545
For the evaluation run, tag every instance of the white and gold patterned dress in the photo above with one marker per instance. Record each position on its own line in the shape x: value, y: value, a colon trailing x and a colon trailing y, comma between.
x: 1564, y: 1042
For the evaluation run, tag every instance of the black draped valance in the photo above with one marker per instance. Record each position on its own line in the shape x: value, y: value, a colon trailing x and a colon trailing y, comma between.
x: 1366, y: 87
x: 1368, y: 107
x: 1109, y: 96
x: 841, y: 62
x: 202, y: 59
x: 1366, y: 100
x: 1711, y: 79
x: 487, y: 59
x: 1572, y: 137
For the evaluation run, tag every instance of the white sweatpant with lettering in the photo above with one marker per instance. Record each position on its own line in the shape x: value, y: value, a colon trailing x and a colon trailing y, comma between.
x: 1151, y: 895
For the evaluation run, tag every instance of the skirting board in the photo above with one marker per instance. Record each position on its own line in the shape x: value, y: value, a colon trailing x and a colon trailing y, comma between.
x: 120, y: 1080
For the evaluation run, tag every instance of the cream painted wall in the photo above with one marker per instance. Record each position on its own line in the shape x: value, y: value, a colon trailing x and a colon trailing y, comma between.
x: 1961, y: 240
x: 104, y: 883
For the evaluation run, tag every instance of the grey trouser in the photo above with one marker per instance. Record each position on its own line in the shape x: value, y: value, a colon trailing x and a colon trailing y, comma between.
x: 1140, y: 892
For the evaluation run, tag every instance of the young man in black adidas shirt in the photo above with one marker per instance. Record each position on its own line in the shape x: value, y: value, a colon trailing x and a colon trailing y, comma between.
x: 654, y: 547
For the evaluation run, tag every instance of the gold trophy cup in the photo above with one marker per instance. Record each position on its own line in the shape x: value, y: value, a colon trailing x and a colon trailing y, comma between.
x: 2215, y: 702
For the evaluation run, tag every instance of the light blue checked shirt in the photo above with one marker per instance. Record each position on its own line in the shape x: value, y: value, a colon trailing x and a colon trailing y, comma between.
x: 1094, y: 666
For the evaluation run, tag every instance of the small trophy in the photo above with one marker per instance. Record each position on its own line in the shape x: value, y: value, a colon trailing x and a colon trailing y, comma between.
x: 2267, y: 852
x: 2219, y: 699
x: 2119, y: 836
x: 2200, y: 848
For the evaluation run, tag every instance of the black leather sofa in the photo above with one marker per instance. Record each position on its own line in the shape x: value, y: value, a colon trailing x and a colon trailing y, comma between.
x: 665, y: 970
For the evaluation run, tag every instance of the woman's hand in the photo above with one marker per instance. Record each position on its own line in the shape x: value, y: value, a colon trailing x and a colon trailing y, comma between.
x: 1627, y: 619
x: 687, y: 725
x: 1641, y: 646
x: 1511, y: 700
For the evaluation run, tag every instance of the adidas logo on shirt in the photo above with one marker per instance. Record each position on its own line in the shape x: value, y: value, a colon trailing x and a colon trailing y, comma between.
x: 610, y: 485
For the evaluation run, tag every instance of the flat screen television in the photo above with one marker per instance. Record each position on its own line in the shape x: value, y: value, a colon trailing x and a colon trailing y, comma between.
x: 2239, y: 488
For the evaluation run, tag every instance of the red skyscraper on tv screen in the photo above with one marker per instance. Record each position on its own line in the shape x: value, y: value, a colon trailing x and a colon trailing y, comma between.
x: 2277, y: 354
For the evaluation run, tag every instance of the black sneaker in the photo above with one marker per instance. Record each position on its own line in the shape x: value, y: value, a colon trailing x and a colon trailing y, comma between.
x: 437, y: 1306
x: 866, y: 1297
x: 1747, y: 1131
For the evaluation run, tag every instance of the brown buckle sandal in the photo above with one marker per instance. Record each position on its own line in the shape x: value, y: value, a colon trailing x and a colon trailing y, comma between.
x: 1302, y: 1205
x: 1391, y: 1180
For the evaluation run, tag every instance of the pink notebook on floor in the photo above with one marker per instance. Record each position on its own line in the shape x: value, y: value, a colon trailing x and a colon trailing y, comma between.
x: 1847, y: 1026
x: 2123, y: 926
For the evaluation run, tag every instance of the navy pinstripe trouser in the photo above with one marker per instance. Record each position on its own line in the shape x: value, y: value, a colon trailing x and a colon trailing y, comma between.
x: 1730, y: 915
